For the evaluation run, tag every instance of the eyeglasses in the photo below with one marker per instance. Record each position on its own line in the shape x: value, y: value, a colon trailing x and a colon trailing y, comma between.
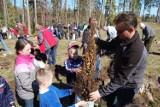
x: 121, y: 30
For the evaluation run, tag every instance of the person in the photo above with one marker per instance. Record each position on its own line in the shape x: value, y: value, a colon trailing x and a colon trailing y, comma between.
x: 22, y: 30
x: 73, y: 63
x: 130, y: 62
x: 6, y: 94
x: 14, y: 33
x: 4, y: 32
x: 49, y: 95
x: 60, y: 30
x: 73, y: 67
x: 47, y: 42
x: 4, y: 45
x: 51, y: 28
x: 148, y: 35
x: 54, y: 31
x: 85, y: 40
x: 111, y: 32
x: 24, y: 72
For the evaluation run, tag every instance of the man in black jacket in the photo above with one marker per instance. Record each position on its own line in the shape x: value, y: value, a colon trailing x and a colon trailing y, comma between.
x: 130, y: 61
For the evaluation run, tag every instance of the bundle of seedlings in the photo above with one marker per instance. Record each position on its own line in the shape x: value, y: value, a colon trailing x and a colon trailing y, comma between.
x: 85, y: 82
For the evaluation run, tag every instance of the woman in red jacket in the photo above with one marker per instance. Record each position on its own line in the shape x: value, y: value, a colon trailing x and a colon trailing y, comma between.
x: 46, y: 42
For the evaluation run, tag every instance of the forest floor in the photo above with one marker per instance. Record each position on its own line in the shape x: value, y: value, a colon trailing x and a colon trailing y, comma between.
x: 150, y: 94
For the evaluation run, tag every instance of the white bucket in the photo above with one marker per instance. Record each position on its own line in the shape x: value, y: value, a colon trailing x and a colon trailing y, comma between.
x: 90, y: 104
x: 73, y: 36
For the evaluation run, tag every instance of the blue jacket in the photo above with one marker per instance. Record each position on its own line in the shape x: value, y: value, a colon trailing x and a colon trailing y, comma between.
x: 71, y: 63
x: 6, y: 95
x: 51, y: 97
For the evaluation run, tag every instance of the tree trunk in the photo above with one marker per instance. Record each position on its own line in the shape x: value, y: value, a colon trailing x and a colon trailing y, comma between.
x: 158, y: 14
x: 5, y: 13
x: 46, y: 12
x: 28, y: 16
x: 144, y: 8
x: 100, y: 18
x: 78, y: 12
x: 119, y: 6
x: 131, y: 4
x: 124, y: 5
x: 42, y: 15
x: 15, y: 5
x: 35, y: 11
x: 60, y: 11
x: 23, y: 11
x: 108, y: 21
x: 90, y: 12
x: 65, y: 4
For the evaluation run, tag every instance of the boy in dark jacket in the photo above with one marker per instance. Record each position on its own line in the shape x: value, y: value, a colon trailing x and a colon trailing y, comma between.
x: 73, y: 63
x: 6, y: 95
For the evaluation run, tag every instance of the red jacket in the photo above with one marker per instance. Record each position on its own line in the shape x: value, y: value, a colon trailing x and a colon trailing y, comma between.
x: 46, y: 39
x: 25, y: 29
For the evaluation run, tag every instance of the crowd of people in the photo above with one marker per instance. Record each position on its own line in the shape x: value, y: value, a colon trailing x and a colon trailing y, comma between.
x: 33, y: 78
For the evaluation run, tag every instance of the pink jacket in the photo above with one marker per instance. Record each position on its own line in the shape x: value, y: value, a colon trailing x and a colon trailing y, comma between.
x: 24, y: 74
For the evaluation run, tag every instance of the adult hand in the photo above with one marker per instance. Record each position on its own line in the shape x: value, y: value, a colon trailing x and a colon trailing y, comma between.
x: 81, y: 104
x: 94, y: 96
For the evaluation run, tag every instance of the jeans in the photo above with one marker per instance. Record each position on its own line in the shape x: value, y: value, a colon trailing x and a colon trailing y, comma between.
x: 98, y: 66
x: 84, y: 47
x: 52, y: 52
x: 48, y: 53
x: 3, y: 43
x: 121, y: 97
x: 28, y: 103
x: 55, y: 52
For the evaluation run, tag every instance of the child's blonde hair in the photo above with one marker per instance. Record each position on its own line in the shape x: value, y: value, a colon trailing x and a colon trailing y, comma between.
x: 42, y: 75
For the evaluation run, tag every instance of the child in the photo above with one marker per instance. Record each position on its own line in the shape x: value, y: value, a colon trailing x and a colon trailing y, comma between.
x: 49, y: 95
x: 6, y: 95
x: 73, y: 63
x: 25, y: 72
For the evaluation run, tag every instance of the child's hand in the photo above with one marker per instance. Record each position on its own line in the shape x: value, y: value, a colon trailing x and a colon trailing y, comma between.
x: 77, y: 70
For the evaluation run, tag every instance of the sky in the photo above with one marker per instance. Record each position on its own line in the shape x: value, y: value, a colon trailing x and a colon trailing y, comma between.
x: 70, y: 4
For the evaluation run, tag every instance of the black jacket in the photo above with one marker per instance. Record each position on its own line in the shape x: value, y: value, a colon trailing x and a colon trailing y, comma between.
x: 130, y: 62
